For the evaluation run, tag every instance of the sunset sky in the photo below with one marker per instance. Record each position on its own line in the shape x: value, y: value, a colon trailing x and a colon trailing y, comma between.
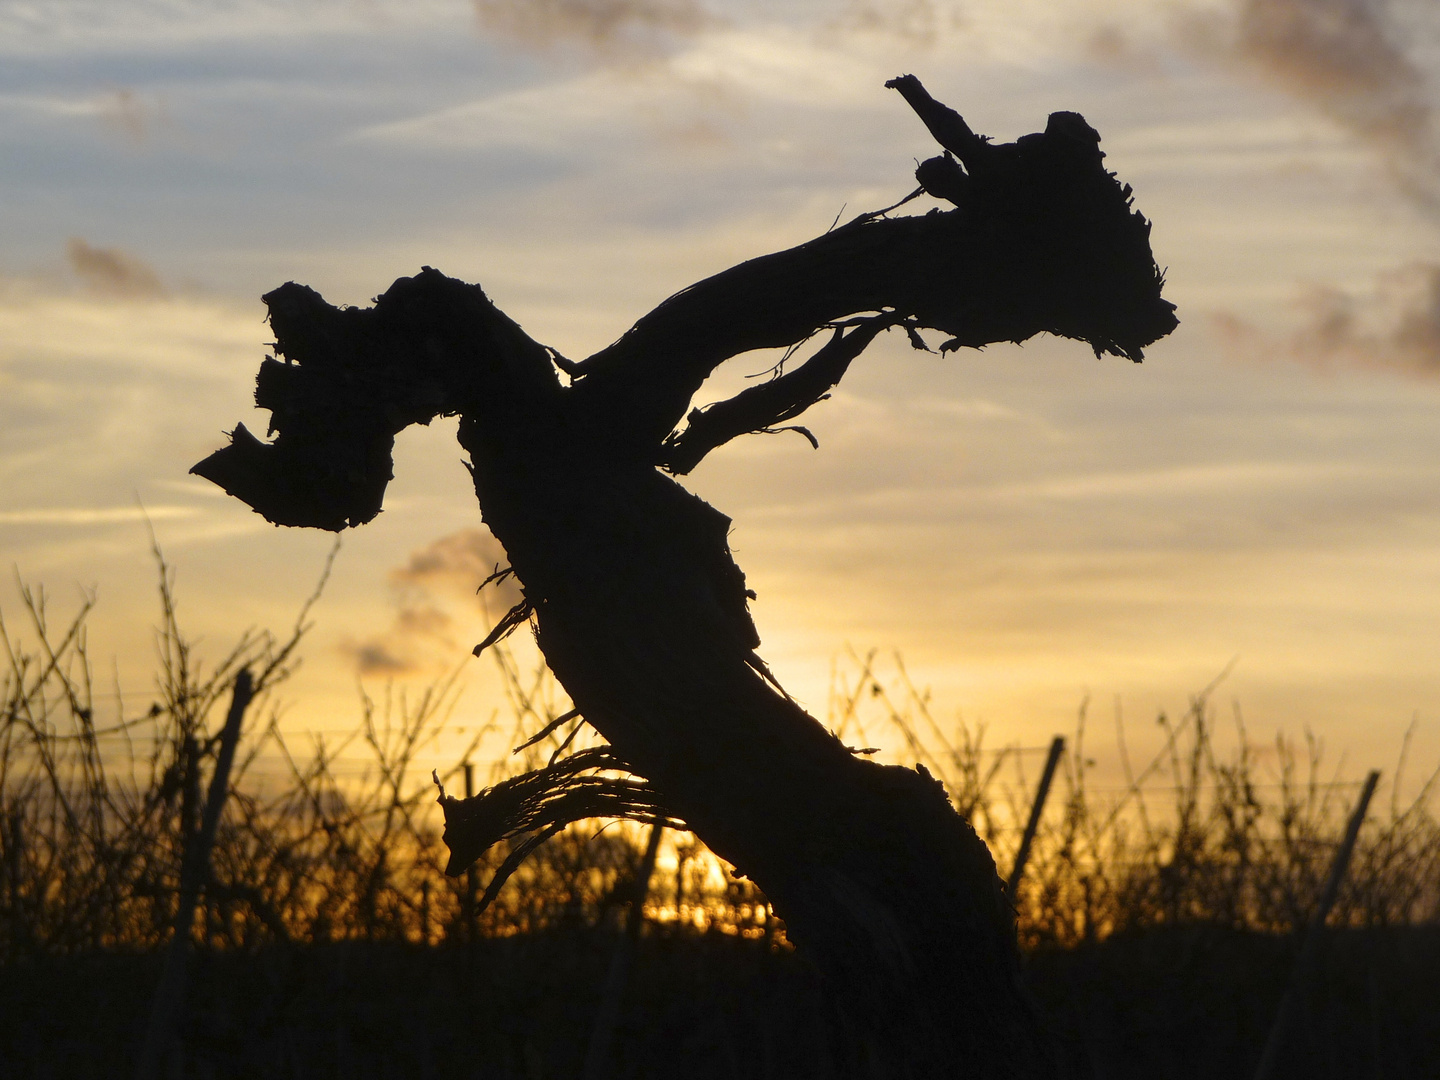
x: 1026, y: 525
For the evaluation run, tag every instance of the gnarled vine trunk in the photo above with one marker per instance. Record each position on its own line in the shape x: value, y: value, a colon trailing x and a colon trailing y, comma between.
x: 637, y: 604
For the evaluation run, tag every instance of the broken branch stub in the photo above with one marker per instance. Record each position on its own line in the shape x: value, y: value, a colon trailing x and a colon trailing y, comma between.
x: 637, y: 603
x: 352, y: 378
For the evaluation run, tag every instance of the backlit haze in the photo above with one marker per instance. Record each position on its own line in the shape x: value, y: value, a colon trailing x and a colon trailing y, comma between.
x: 1026, y: 525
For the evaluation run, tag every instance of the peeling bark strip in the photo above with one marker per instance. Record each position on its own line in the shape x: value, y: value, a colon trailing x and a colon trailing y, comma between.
x: 637, y: 604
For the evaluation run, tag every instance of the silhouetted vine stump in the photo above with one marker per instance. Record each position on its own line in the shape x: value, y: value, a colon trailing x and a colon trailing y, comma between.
x: 628, y: 579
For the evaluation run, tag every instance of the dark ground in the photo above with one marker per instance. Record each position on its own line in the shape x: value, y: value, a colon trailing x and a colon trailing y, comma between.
x: 1183, y: 1003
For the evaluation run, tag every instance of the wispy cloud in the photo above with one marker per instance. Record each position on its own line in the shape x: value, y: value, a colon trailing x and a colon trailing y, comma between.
x: 438, y: 597
x: 1394, y: 326
x: 1360, y: 63
x: 455, y: 565
x: 1347, y: 58
x: 112, y: 272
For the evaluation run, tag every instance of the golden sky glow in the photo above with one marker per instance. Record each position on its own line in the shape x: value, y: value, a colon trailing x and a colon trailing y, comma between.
x: 1026, y: 525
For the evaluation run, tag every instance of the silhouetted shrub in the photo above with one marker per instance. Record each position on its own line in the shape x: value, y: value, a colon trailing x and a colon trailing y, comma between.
x: 1155, y: 918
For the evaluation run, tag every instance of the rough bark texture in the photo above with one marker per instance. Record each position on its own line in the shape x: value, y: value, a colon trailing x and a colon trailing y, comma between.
x: 636, y: 602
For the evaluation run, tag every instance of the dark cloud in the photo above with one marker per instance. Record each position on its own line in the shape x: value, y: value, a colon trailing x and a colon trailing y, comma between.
x: 602, y: 24
x: 373, y: 658
x: 440, y: 606
x: 1395, y: 326
x: 111, y: 272
x: 1345, y: 57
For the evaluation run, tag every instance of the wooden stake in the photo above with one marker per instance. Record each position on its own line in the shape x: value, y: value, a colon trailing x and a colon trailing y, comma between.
x: 467, y: 907
x: 1310, y: 943
x: 1057, y: 747
x: 169, y: 998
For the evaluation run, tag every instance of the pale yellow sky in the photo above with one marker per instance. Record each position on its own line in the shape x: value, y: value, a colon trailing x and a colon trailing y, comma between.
x: 1025, y: 525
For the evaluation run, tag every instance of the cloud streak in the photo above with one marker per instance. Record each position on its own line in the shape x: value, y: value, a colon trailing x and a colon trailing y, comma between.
x: 918, y: 22
x: 719, y: 79
x: 603, y: 25
x: 103, y: 515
